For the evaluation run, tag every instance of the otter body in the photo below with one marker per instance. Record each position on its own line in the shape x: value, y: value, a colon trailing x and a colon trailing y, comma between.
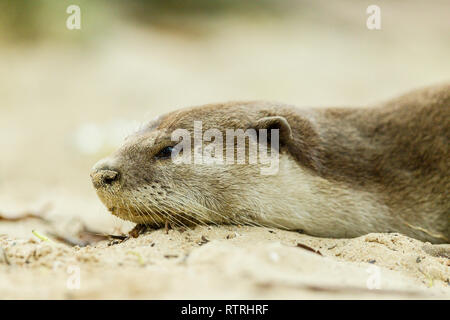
x: 342, y: 172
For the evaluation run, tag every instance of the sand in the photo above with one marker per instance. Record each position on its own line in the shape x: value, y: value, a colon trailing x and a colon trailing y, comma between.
x: 220, y: 262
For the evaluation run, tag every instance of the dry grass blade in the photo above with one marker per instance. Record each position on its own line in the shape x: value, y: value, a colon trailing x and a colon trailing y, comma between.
x: 4, y: 256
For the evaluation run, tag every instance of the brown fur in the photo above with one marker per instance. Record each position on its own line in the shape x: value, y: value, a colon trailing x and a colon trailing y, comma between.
x: 394, y: 157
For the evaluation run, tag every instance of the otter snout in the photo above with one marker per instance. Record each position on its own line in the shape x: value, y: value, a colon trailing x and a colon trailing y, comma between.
x: 103, y: 174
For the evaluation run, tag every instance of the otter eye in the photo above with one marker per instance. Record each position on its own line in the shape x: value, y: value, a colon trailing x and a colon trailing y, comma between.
x: 164, y: 153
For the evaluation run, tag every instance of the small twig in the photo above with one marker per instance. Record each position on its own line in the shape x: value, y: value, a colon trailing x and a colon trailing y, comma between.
x: 117, y: 237
x: 137, y: 230
x: 5, y: 257
x: 167, y: 226
x: 304, y: 246
x: 203, y: 240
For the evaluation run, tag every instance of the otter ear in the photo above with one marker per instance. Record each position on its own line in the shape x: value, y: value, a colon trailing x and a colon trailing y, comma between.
x: 276, y: 122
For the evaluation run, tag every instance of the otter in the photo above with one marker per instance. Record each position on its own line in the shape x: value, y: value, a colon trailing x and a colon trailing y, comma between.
x: 342, y: 171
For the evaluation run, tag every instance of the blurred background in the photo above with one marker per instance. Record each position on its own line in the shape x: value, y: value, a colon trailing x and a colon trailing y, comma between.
x: 68, y: 97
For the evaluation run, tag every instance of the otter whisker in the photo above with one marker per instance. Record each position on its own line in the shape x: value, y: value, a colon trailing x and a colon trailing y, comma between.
x: 139, y: 213
x: 201, y: 217
x: 143, y: 214
x: 181, y: 207
x: 205, y: 208
x: 167, y: 213
x: 198, y: 221
x: 154, y: 212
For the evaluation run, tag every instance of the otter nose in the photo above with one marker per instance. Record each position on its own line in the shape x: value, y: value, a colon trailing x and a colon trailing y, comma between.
x: 104, y: 175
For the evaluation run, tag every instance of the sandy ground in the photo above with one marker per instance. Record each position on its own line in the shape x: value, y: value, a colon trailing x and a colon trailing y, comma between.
x: 63, y: 106
x: 222, y: 263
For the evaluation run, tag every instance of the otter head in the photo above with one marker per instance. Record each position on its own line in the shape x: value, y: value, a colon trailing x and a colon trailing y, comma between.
x: 149, y: 181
